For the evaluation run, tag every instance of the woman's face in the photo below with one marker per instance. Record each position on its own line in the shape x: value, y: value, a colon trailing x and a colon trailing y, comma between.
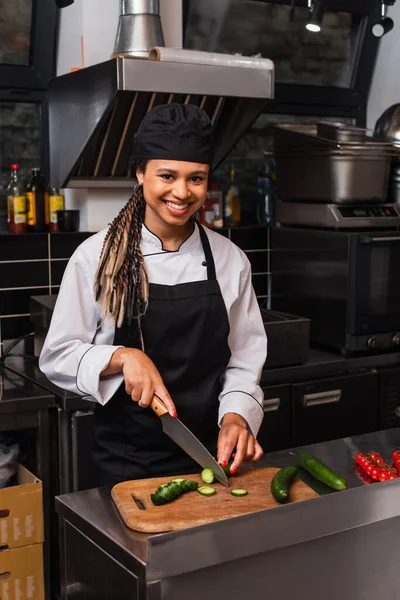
x: 174, y: 190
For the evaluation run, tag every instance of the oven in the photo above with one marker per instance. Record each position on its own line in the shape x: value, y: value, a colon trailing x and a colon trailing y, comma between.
x: 346, y: 282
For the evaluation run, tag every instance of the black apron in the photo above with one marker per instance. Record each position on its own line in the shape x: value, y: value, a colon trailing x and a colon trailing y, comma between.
x: 185, y: 333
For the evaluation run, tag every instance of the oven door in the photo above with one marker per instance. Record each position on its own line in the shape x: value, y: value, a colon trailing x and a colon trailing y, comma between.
x: 374, y: 305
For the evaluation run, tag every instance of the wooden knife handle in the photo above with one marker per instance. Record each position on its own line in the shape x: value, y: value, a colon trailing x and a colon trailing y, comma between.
x: 158, y: 406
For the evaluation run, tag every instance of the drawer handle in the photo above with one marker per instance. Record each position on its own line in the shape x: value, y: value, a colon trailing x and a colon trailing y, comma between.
x: 322, y: 398
x: 271, y: 404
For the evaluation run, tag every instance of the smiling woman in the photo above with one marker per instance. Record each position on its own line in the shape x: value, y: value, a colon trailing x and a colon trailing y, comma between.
x: 173, y: 314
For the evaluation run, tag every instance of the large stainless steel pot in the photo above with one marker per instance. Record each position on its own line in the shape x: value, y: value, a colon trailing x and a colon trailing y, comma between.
x: 338, y: 178
x: 316, y: 168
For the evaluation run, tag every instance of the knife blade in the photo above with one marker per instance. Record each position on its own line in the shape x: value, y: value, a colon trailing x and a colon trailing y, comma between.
x: 182, y: 436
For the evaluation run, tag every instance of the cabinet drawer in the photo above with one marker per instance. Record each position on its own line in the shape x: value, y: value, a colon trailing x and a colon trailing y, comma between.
x: 275, y: 431
x: 335, y: 408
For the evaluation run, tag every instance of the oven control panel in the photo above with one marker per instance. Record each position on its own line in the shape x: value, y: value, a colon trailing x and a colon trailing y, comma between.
x: 368, y: 212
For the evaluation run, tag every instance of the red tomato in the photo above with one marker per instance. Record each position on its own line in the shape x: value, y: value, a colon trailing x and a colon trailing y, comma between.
x: 384, y: 475
x: 378, y: 458
x: 396, y: 454
x: 375, y: 471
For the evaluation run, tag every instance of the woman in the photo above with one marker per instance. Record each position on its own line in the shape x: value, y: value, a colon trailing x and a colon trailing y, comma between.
x: 159, y: 305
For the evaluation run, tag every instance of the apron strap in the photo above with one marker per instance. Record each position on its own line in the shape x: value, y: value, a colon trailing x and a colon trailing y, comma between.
x: 211, y: 274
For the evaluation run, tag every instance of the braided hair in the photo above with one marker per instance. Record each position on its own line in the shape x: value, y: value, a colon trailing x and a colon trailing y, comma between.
x: 121, y: 283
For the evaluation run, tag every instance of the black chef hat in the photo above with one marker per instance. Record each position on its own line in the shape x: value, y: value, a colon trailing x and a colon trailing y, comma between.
x: 175, y: 132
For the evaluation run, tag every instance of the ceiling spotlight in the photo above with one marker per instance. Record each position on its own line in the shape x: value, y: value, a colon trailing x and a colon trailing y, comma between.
x: 385, y: 24
x: 317, y: 11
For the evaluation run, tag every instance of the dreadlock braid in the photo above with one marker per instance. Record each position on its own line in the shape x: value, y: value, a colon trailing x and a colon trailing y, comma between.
x: 121, y: 284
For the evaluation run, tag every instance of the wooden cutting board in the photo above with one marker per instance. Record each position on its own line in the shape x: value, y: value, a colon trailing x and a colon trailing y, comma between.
x: 192, y: 508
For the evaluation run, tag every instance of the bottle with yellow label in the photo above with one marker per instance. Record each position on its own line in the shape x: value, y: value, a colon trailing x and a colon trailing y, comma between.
x: 56, y: 202
x: 232, y: 202
x: 16, y: 203
x: 36, y: 199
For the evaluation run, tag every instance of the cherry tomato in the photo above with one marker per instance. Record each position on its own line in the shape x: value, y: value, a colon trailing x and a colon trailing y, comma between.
x: 396, y: 454
x: 360, y: 457
x: 375, y: 471
x: 384, y: 475
x: 376, y: 457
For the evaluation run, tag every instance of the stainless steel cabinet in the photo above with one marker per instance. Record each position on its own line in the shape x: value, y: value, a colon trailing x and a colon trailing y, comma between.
x: 334, y: 408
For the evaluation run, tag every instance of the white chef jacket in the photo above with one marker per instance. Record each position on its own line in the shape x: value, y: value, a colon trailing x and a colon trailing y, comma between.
x: 79, y: 344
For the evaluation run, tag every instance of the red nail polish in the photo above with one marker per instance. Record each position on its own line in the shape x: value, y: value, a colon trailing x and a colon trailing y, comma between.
x: 224, y: 463
x: 175, y: 414
x: 233, y: 470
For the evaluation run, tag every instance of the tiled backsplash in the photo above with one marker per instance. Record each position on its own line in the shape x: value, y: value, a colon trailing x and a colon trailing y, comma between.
x: 33, y: 265
x: 30, y: 265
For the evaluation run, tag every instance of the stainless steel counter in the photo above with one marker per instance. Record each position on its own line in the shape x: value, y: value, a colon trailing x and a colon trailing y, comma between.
x: 358, y: 524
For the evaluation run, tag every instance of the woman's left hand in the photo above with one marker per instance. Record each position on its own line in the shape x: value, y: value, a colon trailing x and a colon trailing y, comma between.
x: 235, y: 437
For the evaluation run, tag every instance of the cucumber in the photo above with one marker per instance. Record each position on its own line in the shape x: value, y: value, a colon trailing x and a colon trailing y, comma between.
x: 239, y: 493
x: 206, y: 490
x: 208, y: 475
x: 157, y: 500
x: 227, y: 469
x: 320, y: 471
x: 280, y: 483
x: 178, y: 480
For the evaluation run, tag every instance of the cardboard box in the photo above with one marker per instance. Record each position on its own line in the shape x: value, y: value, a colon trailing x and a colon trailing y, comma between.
x: 21, y: 512
x: 21, y: 573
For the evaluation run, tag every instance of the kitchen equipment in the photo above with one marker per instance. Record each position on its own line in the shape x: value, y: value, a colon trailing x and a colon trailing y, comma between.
x: 68, y: 220
x: 182, y: 436
x: 97, y: 110
x: 192, y: 508
x: 329, y: 163
x: 333, y: 216
x: 347, y: 283
x: 388, y: 128
x: 139, y: 28
x: 340, y: 132
x: 288, y: 338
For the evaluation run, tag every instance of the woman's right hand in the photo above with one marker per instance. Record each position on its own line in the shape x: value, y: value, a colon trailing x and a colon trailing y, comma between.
x: 142, y: 378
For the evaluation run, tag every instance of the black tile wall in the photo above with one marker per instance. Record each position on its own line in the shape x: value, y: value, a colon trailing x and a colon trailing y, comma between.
x: 260, y: 284
x: 57, y: 271
x: 23, y: 274
x: 16, y: 302
x: 63, y: 245
x: 250, y: 238
x: 24, y: 247
x: 26, y: 264
x: 258, y: 261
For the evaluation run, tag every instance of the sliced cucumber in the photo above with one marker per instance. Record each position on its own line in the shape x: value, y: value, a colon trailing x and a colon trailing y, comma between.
x: 157, y: 500
x: 239, y: 493
x: 191, y: 485
x: 206, y: 490
x: 178, y: 480
x: 208, y: 475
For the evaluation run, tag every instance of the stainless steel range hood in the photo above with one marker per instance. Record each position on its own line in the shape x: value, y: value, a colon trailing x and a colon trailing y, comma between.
x: 94, y: 112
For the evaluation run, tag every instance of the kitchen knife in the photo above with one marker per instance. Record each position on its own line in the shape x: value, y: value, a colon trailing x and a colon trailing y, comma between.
x: 182, y: 436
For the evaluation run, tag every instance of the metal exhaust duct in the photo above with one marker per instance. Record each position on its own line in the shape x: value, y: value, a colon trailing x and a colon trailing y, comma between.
x: 94, y: 112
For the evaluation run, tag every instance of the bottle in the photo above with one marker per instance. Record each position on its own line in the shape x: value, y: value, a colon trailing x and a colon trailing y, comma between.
x: 266, y: 188
x: 215, y: 194
x: 16, y: 203
x: 36, y: 200
x: 56, y: 202
x: 206, y: 213
x: 232, y: 201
